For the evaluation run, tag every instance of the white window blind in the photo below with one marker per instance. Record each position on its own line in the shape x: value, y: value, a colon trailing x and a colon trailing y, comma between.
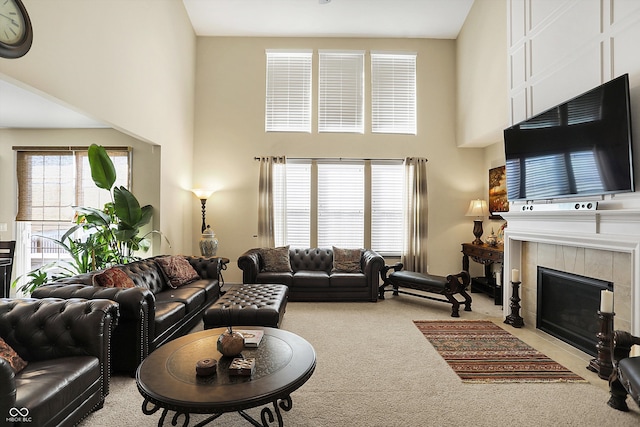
x: 341, y: 91
x: 51, y: 182
x: 341, y: 205
x: 393, y: 93
x: 387, y: 180
x: 288, y: 98
x: 296, y: 219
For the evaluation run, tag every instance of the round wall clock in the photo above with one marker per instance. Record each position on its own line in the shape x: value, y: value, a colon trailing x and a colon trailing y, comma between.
x: 16, y: 34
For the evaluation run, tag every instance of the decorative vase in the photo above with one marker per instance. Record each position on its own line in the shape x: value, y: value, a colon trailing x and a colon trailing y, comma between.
x: 208, y: 243
x: 492, y: 240
x: 230, y: 343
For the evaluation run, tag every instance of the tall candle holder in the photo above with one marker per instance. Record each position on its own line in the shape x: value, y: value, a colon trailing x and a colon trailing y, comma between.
x: 602, y: 363
x: 514, y: 318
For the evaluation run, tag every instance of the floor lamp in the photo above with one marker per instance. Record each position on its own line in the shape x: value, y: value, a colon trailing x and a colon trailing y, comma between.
x: 203, y: 195
x: 477, y: 208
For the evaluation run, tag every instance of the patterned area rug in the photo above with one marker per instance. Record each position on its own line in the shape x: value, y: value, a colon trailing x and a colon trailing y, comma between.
x: 480, y: 351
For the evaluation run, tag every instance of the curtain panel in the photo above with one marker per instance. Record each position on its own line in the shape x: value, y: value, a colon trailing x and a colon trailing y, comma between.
x: 266, y: 208
x: 414, y: 253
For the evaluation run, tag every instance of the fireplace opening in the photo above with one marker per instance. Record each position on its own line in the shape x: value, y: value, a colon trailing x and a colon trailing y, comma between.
x: 568, y: 307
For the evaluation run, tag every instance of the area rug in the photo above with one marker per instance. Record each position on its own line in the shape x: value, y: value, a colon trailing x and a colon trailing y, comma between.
x: 480, y: 351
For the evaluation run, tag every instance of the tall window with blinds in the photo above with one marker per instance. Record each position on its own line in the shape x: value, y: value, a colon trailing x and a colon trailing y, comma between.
x: 288, y: 97
x: 341, y: 91
x: 357, y: 203
x: 393, y: 93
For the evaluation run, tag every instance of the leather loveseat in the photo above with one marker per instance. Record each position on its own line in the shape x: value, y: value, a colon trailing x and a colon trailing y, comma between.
x: 151, y: 313
x: 66, y: 345
x: 312, y: 275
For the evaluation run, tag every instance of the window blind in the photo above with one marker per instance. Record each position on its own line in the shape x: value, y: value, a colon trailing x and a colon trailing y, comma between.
x: 51, y: 182
x: 387, y: 180
x: 296, y: 220
x: 341, y: 205
x: 288, y: 97
x: 393, y: 92
x: 341, y: 91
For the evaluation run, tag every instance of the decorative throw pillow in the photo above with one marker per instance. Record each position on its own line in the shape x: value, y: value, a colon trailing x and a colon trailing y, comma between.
x: 10, y: 355
x: 276, y: 260
x: 177, y: 270
x: 346, y: 260
x: 113, y: 278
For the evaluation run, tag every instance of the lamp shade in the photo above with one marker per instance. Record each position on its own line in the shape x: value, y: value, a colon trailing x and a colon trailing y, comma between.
x: 202, y: 194
x: 477, y: 208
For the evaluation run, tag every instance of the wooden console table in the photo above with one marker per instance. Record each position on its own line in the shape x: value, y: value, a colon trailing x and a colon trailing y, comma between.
x: 485, y: 255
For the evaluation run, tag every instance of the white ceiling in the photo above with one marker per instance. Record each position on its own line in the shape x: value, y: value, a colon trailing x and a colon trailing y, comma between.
x: 440, y: 19
x: 20, y: 108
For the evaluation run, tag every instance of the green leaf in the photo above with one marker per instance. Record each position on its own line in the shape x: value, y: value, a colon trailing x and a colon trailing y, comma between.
x: 102, y: 170
x: 126, y: 206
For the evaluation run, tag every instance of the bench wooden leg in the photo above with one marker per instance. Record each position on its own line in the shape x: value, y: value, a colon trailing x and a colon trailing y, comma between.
x: 467, y: 300
x: 455, y: 305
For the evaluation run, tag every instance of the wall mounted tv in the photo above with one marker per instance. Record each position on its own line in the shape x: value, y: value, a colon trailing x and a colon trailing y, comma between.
x: 582, y: 147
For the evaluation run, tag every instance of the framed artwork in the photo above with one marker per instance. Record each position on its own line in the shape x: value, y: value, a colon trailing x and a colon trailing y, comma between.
x: 498, y: 192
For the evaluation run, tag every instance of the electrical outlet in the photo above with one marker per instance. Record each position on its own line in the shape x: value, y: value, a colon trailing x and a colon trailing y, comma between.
x: 3, y: 226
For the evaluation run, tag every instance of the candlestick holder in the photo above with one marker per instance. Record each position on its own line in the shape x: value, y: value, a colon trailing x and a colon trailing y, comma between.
x: 514, y: 318
x: 602, y: 363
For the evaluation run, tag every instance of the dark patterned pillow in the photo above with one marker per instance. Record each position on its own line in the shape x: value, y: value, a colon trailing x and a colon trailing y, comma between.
x: 10, y: 355
x: 177, y: 270
x: 346, y: 260
x: 276, y: 260
x: 113, y: 278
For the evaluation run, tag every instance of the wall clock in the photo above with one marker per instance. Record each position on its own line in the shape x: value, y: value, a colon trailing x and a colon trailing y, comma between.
x: 16, y: 34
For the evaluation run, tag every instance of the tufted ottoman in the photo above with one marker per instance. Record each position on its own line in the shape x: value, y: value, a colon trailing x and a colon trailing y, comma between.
x: 248, y: 305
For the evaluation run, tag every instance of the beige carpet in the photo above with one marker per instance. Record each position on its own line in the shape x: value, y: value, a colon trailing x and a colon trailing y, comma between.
x: 375, y: 368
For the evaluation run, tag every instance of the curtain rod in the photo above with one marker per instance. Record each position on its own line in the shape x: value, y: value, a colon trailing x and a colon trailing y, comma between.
x: 65, y: 148
x: 347, y: 159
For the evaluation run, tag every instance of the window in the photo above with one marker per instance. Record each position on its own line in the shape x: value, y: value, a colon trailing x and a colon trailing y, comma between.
x: 288, y: 99
x: 342, y: 203
x: 50, y: 183
x: 341, y: 91
x: 393, y: 93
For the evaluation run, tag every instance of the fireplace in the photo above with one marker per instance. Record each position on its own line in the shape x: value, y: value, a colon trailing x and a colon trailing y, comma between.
x: 568, y: 305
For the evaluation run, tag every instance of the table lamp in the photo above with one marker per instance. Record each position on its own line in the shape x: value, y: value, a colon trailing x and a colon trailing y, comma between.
x: 477, y: 208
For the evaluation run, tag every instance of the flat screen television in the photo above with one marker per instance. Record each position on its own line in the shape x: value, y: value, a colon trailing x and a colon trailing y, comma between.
x: 582, y: 147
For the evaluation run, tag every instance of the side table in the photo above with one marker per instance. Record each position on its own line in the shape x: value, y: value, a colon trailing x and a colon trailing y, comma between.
x: 487, y: 256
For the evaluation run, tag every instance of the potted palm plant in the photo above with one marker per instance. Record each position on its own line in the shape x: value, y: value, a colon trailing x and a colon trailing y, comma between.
x: 110, y: 236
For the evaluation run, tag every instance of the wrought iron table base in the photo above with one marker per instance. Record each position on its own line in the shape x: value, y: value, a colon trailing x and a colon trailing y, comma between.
x: 266, y: 415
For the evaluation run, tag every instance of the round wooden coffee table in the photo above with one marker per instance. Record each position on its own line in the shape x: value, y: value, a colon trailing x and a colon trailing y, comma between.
x: 167, y: 377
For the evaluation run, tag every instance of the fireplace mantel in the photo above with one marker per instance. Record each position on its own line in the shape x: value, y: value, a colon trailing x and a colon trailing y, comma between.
x: 609, y: 230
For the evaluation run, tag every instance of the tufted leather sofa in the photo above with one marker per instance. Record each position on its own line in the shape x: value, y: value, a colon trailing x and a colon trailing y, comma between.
x: 66, y: 344
x: 312, y: 278
x: 152, y: 313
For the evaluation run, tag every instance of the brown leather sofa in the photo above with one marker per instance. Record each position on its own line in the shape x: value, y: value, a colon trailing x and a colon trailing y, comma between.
x: 625, y: 378
x: 66, y: 344
x: 312, y: 279
x: 152, y: 313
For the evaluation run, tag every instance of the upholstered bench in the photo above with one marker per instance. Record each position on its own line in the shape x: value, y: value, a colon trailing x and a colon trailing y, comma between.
x: 446, y: 286
x: 248, y: 305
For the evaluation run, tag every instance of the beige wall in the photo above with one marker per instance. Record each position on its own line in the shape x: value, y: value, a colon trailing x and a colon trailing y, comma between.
x: 482, y: 75
x: 229, y: 133
x: 116, y: 61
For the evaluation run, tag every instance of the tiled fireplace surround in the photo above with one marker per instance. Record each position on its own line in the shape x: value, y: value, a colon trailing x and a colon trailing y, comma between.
x: 603, y: 244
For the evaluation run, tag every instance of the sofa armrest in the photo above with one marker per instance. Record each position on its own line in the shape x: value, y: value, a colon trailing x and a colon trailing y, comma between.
x: 622, y: 343
x: 49, y: 328
x: 208, y: 267
x: 7, y: 387
x: 372, y: 264
x: 249, y: 263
